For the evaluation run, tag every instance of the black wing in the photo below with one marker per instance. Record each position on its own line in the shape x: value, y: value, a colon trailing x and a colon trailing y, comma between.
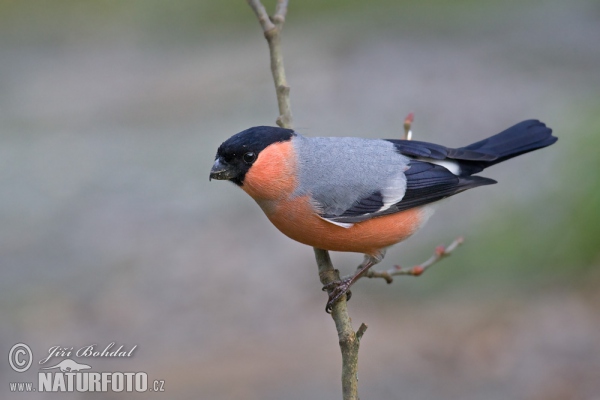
x: 425, y: 183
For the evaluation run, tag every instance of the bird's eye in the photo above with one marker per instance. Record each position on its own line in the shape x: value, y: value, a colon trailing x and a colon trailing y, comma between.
x: 249, y: 157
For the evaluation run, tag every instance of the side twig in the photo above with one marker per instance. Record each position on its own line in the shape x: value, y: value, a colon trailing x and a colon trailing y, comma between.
x: 439, y: 253
x: 348, y: 339
x: 407, y: 125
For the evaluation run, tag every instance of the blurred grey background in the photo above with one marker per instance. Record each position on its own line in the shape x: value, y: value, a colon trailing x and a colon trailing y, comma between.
x: 111, y: 113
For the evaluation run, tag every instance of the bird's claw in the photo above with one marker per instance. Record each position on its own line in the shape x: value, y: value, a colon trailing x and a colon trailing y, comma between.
x: 336, y: 290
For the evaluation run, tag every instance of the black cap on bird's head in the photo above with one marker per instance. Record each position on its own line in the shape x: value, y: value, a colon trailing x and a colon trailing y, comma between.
x: 236, y: 155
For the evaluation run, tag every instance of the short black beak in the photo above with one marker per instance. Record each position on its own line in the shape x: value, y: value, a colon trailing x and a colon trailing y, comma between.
x: 221, y: 171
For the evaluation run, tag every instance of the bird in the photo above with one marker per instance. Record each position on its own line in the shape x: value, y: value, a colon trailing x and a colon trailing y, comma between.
x: 360, y: 195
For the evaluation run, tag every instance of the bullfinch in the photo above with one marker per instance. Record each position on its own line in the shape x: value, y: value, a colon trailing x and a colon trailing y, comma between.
x: 359, y: 195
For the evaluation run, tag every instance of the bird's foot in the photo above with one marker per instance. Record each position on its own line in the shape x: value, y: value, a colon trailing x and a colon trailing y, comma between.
x: 336, y: 290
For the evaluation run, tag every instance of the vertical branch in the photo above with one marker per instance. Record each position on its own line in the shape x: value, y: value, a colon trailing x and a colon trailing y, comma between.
x: 283, y: 90
x: 272, y: 31
x: 348, y: 339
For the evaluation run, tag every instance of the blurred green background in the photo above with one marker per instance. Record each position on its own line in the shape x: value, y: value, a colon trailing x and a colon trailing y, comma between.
x: 111, y: 113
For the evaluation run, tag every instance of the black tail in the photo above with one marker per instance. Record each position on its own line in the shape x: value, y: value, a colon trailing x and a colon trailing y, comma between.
x: 519, y: 139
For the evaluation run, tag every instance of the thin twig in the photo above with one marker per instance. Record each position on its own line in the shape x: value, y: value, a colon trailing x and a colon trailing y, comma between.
x: 348, y: 339
x: 439, y: 253
x: 361, y: 331
x: 261, y: 14
x: 407, y: 125
x: 272, y: 33
x: 280, y: 12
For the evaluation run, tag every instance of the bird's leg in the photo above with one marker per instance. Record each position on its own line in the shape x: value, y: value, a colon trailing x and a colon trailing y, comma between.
x: 339, y: 288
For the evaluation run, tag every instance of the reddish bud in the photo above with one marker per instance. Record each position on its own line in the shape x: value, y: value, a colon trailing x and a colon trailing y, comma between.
x: 440, y: 250
x: 417, y: 270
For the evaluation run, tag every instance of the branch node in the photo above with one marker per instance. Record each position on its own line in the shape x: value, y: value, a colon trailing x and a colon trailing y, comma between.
x: 440, y: 250
x: 280, y: 12
x: 361, y: 331
x: 271, y: 32
x: 417, y: 270
x: 388, y: 278
x: 283, y: 90
x: 261, y: 14
x: 281, y: 121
